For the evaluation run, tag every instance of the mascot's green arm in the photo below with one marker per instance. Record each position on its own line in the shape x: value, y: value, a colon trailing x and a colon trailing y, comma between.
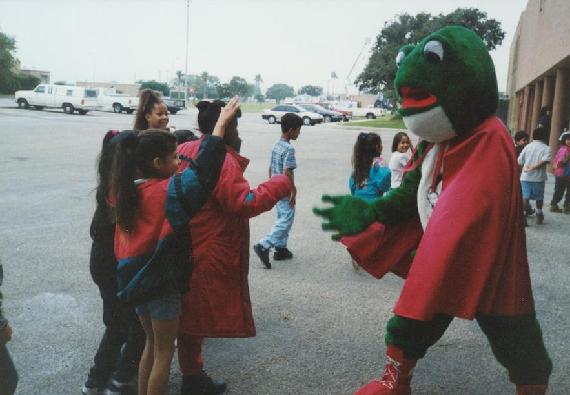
x: 350, y: 215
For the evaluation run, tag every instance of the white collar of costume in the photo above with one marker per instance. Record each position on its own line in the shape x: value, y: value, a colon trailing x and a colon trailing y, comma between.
x: 427, y: 197
x: 432, y: 126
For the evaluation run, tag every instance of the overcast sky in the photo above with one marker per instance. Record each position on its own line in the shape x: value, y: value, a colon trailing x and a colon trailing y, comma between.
x: 296, y: 42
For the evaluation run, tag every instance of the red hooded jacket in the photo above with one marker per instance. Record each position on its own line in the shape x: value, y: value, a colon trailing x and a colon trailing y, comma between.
x: 218, y: 303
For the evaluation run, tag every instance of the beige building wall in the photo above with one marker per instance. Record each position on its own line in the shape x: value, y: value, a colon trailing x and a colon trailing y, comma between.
x: 539, y: 67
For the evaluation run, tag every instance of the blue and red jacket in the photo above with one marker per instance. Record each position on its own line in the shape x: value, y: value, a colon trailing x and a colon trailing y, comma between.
x: 155, y: 258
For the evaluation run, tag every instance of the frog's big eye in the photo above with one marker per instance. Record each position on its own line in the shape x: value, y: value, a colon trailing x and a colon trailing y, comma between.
x: 433, y: 51
x: 400, y: 57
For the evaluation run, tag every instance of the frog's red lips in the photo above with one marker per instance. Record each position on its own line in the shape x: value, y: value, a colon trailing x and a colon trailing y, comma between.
x: 416, y: 98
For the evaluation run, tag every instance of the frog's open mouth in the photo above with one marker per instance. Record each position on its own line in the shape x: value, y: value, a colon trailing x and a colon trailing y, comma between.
x: 416, y: 98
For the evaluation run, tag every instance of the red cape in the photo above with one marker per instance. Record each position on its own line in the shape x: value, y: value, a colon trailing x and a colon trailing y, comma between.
x: 472, y: 256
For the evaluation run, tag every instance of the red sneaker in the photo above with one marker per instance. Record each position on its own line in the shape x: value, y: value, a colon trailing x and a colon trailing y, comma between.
x: 396, y: 378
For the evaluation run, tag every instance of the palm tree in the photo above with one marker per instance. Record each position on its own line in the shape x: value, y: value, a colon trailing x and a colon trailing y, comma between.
x: 333, y: 77
x: 205, y: 77
x: 258, y: 81
x: 179, y: 78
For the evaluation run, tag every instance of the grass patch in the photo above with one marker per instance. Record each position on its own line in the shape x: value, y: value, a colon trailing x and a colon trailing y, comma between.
x: 255, y: 107
x: 384, y: 122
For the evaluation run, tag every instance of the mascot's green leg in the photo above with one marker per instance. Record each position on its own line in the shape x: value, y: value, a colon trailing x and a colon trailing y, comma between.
x: 517, y: 344
x: 415, y: 337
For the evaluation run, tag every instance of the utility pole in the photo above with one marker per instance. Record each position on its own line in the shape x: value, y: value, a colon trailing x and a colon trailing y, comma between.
x: 186, y: 67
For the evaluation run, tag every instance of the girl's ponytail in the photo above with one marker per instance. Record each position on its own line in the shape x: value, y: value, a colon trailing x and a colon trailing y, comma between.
x: 124, y: 193
x: 133, y: 159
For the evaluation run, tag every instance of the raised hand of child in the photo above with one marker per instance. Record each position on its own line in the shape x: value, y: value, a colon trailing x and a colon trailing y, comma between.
x: 347, y: 216
x: 226, y: 115
x: 6, y: 334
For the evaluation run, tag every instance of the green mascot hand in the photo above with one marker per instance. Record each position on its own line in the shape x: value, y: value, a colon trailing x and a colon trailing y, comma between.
x: 347, y: 216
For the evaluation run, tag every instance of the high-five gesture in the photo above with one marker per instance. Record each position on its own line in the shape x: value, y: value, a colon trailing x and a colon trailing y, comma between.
x: 227, y: 113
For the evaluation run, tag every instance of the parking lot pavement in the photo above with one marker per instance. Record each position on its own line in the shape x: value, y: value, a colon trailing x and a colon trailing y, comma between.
x: 319, y: 323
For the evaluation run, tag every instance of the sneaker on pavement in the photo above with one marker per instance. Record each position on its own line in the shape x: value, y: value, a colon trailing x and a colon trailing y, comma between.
x: 202, y: 384
x: 529, y: 211
x: 94, y: 387
x: 554, y: 208
x: 539, y: 218
x: 263, y: 254
x: 282, y: 253
x: 117, y: 387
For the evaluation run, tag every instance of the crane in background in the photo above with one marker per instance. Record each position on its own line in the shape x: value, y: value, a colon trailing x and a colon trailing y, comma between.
x: 348, y: 81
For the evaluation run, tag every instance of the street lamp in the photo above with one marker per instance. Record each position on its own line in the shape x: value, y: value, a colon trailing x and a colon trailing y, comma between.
x: 186, y: 67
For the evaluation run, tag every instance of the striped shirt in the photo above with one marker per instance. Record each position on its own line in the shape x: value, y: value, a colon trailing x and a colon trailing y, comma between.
x: 282, y: 157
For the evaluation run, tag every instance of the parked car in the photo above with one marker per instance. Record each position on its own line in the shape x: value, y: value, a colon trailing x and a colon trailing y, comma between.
x: 69, y: 98
x: 328, y: 115
x: 174, y: 105
x: 274, y: 115
x: 110, y: 100
x: 347, y: 115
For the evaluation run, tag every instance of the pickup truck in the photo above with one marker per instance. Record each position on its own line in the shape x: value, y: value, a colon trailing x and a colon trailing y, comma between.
x: 67, y: 97
x: 110, y: 100
x: 368, y: 112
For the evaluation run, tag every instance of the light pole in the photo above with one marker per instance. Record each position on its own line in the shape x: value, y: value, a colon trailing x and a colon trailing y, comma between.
x: 186, y: 67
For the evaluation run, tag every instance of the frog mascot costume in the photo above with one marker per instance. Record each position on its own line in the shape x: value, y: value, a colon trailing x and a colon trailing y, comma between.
x: 454, y: 229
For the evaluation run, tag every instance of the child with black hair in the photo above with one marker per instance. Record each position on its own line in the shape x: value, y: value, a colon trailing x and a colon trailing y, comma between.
x: 153, y: 211
x: 218, y: 304
x: 561, y: 166
x: 115, y: 365
x: 283, y: 161
x: 521, y: 140
x: 152, y: 113
x: 401, y: 154
x: 533, y: 159
x: 369, y: 178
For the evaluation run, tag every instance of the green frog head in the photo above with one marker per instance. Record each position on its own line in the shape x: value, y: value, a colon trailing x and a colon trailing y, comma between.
x: 446, y: 83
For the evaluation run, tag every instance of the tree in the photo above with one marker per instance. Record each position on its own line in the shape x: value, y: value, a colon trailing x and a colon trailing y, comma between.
x: 224, y: 91
x: 380, y: 71
x: 259, y: 98
x: 311, y: 90
x: 8, y: 80
x: 26, y: 82
x: 155, y: 85
x: 279, y: 92
x: 239, y: 86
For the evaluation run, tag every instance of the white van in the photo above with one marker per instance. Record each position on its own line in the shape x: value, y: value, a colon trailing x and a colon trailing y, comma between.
x: 67, y: 97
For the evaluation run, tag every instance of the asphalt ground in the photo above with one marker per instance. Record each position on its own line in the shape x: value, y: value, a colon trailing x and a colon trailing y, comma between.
x: 320, y: 323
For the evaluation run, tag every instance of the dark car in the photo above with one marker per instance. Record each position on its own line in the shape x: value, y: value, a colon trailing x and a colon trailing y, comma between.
x: 328, y: 115
x: 173, y: 105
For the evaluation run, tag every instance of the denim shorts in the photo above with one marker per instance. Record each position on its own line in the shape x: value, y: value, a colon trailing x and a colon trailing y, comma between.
x: 533, y: 190
x: 167, y: 307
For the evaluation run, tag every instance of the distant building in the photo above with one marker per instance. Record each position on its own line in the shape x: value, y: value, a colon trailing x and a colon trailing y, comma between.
x: 128, y: 89
x: 44, y: 76
x: 539, y: 67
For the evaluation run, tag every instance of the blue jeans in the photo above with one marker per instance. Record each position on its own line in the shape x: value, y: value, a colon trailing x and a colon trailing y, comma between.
x: 280, y: 232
